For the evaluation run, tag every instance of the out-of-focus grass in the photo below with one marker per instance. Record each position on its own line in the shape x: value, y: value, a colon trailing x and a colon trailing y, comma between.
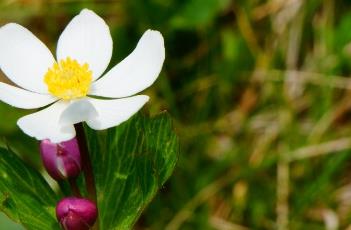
x: 7, y: 224
x: 260, y: 94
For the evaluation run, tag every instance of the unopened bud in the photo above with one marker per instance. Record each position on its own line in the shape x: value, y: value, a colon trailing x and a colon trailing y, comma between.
x: 61, y: 160
x: 76, y: 213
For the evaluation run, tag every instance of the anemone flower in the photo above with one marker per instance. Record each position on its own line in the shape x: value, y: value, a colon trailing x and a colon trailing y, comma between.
x: 72, y: 84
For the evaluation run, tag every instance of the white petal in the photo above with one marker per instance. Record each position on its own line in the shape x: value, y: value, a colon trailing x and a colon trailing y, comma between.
x: 24, y: 58
x: 24, y: 99
x: 45, y: 124
x: 78, y: 111
x: 113, y: 112
x: 136, y: 72
x: 87, y: 39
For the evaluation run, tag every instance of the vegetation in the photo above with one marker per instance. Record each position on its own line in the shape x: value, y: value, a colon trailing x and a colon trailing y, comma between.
x: 259, y: 92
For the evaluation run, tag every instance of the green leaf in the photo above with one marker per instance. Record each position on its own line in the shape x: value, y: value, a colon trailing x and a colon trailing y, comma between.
x: 24, y: 194
x: 131, y: 163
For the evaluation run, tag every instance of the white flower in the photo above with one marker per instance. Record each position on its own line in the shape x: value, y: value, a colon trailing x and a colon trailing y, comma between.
x: 83, y: 53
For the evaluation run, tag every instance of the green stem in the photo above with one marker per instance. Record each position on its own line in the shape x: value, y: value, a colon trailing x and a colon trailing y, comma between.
x: 74, y: 187
x: 64, y: 186
x: 86, y: 165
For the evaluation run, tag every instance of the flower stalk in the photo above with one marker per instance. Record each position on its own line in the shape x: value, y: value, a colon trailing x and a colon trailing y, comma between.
x: 86, y: 165
x: 74, y: 187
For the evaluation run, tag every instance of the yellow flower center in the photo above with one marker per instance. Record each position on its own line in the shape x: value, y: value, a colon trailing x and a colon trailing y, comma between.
x: 68, y: 79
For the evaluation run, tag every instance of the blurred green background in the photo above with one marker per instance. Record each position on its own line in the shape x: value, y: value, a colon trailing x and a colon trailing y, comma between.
x: 260, y: 96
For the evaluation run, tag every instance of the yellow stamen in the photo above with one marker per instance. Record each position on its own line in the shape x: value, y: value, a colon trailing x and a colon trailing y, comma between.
x: 68, y: 79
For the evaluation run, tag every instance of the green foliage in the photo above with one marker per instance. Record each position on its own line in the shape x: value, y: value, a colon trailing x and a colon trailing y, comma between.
x: 24, y: 194
x: 196, y: 13
x: 131, y: 163
x: 247, y: 82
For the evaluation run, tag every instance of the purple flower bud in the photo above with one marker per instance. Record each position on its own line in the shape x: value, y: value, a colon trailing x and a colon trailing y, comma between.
x: 76, y: 213
x: 61, y: 160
